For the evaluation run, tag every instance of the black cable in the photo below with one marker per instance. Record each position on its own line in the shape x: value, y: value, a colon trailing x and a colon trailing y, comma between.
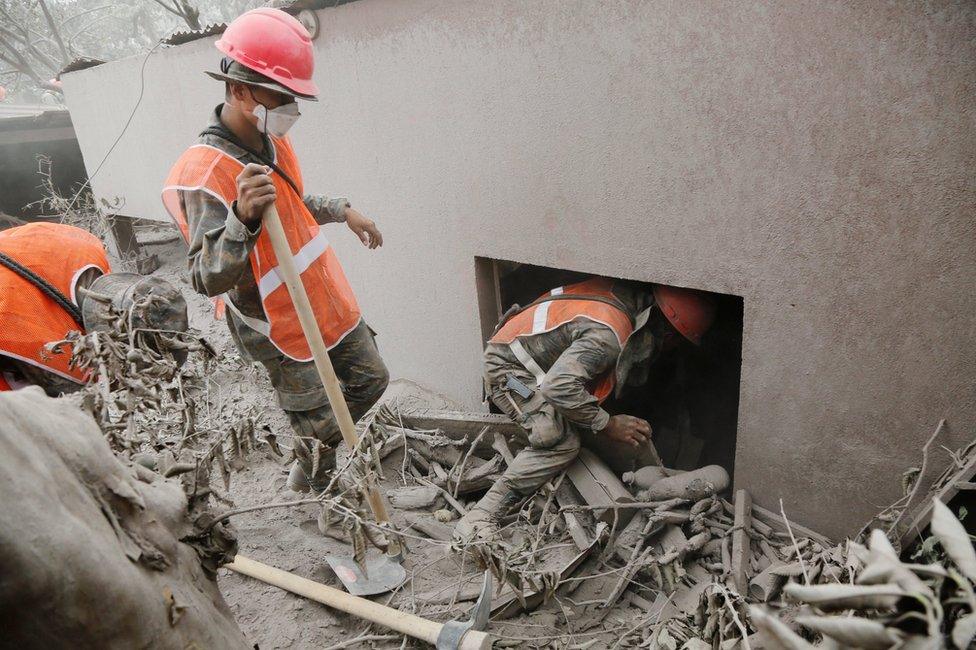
x: 46, y: 287
x: 224, y: 134
x: 125, y: 127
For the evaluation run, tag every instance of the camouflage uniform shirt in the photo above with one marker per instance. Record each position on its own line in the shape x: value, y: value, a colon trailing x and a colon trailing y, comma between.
x: 220, y: 246
x: 573, y: 355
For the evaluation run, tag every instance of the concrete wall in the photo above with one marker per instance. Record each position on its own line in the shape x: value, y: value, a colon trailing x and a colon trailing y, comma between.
x: 815, y: 158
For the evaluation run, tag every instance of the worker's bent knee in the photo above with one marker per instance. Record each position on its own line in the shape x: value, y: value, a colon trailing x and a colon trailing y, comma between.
x: 547, y: 430
x: 533, y: 467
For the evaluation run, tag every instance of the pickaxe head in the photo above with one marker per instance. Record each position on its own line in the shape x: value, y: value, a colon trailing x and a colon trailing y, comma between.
x: 452, y: 632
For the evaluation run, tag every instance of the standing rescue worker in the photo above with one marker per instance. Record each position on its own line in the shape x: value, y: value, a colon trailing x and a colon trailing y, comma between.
x: 551, y: 365
x: 217, y: 193
x: 55, y: 279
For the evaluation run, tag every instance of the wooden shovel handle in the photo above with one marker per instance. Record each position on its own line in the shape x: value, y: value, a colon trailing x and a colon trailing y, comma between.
x: 320, y: 354
x: 415, y: 626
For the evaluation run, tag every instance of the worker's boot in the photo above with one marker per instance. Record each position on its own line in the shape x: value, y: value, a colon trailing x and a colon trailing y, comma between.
x: 481, y: 522
x: 300, y: 477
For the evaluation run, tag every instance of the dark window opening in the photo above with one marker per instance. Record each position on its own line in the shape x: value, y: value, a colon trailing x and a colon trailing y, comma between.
x: 691, y: 397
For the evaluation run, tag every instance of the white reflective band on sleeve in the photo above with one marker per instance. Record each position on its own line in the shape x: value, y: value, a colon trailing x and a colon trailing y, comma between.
x: 541, y: 315
x: 304, y: 258
x: 527, y: 361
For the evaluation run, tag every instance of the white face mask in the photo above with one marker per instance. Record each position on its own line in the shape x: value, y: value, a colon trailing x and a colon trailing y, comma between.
x: 277, y: 121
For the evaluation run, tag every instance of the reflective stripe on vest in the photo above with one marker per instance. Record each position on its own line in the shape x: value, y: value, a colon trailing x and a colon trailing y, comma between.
x: 549, y: 315
x: 30, y: 318
x: 208, y: 169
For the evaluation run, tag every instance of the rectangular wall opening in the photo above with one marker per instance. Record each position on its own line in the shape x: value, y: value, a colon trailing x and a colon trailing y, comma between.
x: 691, y: 393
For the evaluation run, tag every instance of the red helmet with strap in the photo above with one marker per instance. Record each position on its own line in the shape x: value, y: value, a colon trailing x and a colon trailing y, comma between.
x: 275, y: 44
x: 691, y: 312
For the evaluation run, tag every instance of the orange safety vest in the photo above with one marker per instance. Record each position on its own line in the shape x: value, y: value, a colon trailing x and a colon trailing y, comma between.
x: 208, y: 169
x: 29, y: 318
x: 548, y: 315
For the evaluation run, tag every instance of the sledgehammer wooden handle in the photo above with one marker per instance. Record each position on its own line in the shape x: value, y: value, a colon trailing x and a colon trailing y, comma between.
x: 320, y: 354
x: 415, y: 626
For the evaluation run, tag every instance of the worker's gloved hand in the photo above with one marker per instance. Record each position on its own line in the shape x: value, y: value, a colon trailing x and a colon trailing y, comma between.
x: 628, y: 430
x: 255, y: 192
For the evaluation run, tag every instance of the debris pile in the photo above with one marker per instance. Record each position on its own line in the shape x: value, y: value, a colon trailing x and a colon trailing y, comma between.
x: 152, y: 396
x: 665, y: 551
x: 660, y: 559
x: 890, y: 603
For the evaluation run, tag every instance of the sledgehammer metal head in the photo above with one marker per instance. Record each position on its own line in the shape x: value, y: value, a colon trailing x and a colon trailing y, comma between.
x: 452, y: 633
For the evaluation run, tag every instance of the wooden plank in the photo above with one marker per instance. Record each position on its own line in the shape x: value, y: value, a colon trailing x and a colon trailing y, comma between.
x: 775, y: 521
x: 459, y: 425
x: 429, y: 526
x: 740, y: 541
x: 599, y: 486
x: 919, y: 520
x: 576, y: 531
x: 489, y: 295
x: 127, y: 247
x: 414, y: 497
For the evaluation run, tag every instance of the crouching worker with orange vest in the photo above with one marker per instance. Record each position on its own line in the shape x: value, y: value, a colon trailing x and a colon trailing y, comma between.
x: 217, y: 193
x: 55, y: 279
x: 551, y: 365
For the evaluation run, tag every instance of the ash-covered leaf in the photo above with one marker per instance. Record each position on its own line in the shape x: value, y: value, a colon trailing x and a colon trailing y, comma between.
x: 964, y: 631
x: 954, y: 539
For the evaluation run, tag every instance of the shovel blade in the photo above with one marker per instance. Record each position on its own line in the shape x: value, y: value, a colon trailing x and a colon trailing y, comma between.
x: 382, y: 575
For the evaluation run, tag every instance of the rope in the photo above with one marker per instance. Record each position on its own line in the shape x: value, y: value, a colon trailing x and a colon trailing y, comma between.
x: 46, y: 287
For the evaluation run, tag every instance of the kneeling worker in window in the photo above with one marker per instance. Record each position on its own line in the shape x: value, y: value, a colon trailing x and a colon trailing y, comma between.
x: 551, y: 365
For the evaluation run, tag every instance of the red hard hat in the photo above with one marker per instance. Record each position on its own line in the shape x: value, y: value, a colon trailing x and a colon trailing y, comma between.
x: 275, y: 44
x: 691, y: 312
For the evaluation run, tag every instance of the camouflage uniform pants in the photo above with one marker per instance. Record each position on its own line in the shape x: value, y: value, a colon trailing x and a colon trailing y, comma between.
x: 553, y: 441
x: 362, y: 375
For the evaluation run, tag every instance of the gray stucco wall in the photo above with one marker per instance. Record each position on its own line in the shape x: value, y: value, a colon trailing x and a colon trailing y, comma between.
x: 815, y: 158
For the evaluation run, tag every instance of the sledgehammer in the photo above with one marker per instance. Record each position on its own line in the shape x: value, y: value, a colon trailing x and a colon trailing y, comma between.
x: 320, y: 354
x: 456, y: 635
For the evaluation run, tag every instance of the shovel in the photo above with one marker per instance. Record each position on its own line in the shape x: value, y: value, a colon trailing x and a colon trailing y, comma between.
x: 384, y: 573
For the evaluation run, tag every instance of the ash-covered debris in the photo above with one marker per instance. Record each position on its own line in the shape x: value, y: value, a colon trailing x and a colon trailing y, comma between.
x: 677, y: 563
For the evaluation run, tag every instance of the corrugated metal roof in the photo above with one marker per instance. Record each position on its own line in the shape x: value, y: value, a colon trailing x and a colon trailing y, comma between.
x: 294, y: 6
x: 178, y: 38
x: 80, y: 63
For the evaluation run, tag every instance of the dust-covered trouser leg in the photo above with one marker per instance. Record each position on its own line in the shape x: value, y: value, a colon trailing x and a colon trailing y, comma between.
x: 532, y: 467
x: 363, y: 377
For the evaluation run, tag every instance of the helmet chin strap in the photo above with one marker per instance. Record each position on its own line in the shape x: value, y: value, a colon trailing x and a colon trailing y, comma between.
x: 642, y: 318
